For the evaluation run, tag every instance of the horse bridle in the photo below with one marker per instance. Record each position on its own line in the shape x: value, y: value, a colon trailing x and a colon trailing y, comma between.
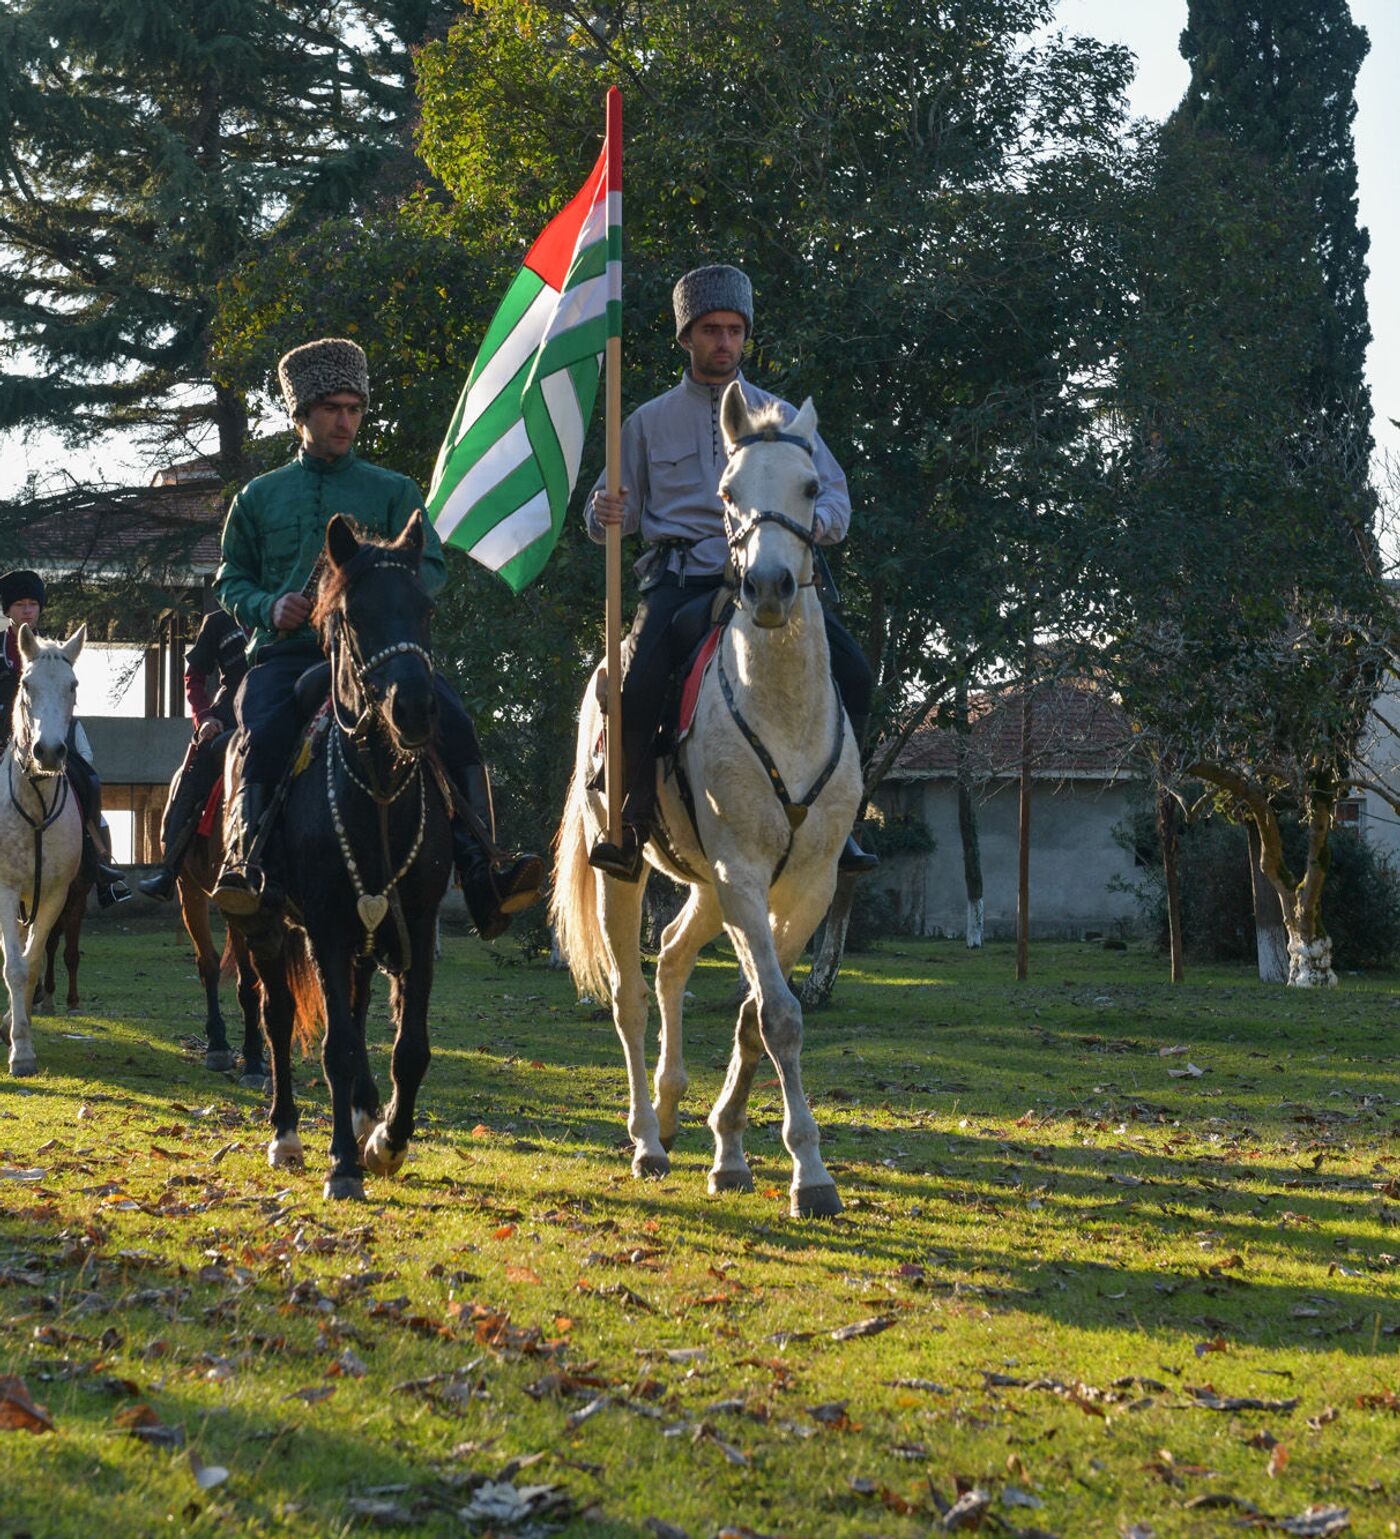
x: 737, y: 532
x: 361, y: 668
x: 48, y: 816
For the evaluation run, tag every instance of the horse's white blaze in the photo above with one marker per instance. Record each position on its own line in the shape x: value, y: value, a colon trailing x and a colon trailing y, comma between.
x: 43, y: 713
x: 782, y: 683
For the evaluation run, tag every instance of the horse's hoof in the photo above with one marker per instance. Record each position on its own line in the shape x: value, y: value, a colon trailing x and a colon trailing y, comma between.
x: 731, y: 1181
x: 220, y: 1062
x: 380, y: 1158
x: 668, y: 1141
x: 259, y: 1082
x: 651, y: 1166
x: 43, y: 1005
x: 815, y: 1201
x: 343, y: 1189
x: 22, y: 1068
x: 285, y: 1153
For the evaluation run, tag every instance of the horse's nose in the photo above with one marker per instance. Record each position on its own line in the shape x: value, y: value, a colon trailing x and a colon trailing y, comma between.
x: 768, y: 593
x: 52, y: 756
x: 413, y: 711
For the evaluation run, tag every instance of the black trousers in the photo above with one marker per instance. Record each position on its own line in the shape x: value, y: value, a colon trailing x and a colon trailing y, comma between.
x: 669, y: 622
x: 191, y: 787
x: 267, y: 713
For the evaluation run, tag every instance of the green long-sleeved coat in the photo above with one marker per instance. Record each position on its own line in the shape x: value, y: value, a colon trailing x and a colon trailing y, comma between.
x: 276, y: 528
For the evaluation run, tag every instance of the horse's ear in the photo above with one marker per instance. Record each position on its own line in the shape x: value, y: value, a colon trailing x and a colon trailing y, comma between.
x: 734, y: 414
x: 804, y: 424
x: 28, y: 644
x: 411, y: 538
x: 74, y: 644
x: 341, y: 545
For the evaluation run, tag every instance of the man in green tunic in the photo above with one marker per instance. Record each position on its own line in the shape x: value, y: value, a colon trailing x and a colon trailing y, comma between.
x: 272, y: 540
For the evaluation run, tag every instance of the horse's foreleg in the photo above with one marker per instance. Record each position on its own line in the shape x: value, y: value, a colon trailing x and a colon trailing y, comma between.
x: 254, y: 1050
x: 729, y: 1116
x: 194, y: 910
x: 22, y: 1059
x: 620, y: 913
x: 278, y: 1012
x: 364, y: 1098
x: 780, y: 1030
x: 72, y: 928
x: 338, y: 1059
x: 696, y: 924
x: 387, y: 1145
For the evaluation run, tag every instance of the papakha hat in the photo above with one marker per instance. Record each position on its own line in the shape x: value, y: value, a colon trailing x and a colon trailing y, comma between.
x: 20, y: 584
x: 322, y: 368
x: 712, y: 288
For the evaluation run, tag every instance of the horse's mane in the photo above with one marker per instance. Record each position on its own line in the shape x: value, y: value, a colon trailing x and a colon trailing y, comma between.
x: 335, y: 579
x: 769, y: 420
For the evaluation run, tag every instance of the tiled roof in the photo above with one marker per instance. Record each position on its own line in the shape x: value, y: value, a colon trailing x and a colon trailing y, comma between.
x: 168, y: 532
x: 1076, y: 730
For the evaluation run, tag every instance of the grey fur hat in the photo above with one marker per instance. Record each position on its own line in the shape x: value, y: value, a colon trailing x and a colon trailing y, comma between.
x: 322, y: 368
x: 712, y: 288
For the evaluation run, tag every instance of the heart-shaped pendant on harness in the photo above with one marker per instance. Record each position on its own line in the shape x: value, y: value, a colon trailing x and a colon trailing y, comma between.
x: 796, y: 814
x: 372, y: 909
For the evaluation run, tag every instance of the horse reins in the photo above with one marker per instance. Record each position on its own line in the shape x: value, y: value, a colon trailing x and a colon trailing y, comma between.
x: 46, y: 821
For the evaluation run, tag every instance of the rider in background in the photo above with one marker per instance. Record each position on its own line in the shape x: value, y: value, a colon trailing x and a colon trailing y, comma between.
x: 22, y: 603
x: 219, y: 648
x: 672, y: 460
x: 272, y: 541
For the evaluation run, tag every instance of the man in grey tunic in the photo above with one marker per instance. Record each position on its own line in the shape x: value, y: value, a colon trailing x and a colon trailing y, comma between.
x: 672, y: 460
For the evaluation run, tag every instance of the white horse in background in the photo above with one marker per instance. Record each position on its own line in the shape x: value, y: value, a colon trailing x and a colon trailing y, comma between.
x: 775, y: 775
x: 40, y: 825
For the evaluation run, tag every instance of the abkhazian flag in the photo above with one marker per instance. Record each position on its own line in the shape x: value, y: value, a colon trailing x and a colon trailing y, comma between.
x: 510, y: 459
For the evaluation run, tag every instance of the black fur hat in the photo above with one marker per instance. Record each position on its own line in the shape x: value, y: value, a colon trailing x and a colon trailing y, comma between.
x: 20, y: 584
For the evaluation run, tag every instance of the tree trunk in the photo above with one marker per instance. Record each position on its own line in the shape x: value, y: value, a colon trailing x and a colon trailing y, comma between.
x: 1309, y: 945
x: 231, y: 419
x: 1270, y: 936
x: 826, y: 966
x: 1023, y: 876
x: 967, y: 822
x: 1169, y: 836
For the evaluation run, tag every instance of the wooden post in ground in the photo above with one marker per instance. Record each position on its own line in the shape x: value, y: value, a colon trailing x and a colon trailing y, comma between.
x: 613, y: 617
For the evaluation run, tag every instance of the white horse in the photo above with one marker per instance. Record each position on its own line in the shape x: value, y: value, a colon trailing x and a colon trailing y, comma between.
x: 40, y: 825
x: 776, y: 781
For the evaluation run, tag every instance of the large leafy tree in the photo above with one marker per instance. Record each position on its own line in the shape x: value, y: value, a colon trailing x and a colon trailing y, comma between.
x: 148, y: 146
x: 920, y: 199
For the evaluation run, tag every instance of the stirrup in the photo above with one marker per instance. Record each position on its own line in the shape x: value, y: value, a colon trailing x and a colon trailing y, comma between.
x: 239, y: 892
x: 856, y: 861
x: 623, y: 861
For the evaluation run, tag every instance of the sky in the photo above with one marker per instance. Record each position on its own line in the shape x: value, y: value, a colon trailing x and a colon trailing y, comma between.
x: 1150, y: 28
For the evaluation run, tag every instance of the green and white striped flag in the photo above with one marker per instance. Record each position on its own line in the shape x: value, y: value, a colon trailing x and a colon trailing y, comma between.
x: 510, y: 459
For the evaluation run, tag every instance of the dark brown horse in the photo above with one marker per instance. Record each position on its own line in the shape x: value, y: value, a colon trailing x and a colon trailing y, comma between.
x: 66, y: 928
x: 196, y: 879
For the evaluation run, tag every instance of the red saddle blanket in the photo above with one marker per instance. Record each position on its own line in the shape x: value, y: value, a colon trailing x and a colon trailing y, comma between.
x: 211, y: 808
x: 690, y: 690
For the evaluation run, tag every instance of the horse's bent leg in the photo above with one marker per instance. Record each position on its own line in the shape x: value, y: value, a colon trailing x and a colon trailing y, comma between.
x: 364, y: 1097
x: 696, y: 924
x: 338, y: 1059
x: 388, y: 1143
x: 729, y: 1117
x: 47, y: 991
x: 780, y: 1029
x: 22, y: 1059
x: 278, y: 1010
x: 620, y: 912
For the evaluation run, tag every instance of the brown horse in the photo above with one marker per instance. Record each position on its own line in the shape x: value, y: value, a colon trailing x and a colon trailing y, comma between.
x: 198, y: 872
x: 66, y: 928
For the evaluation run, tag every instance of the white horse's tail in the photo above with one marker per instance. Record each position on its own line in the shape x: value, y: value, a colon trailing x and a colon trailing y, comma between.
x: 573, y: 904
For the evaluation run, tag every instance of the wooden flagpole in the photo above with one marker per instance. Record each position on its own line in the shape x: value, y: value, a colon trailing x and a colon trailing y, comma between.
x: 613, y: 615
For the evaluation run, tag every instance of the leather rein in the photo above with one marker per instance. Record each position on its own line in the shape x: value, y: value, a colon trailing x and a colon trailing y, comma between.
x: 737, y: 532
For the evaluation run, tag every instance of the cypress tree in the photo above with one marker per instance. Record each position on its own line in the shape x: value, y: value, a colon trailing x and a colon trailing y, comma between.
x: 148, y: 145
x: 1277, y: 78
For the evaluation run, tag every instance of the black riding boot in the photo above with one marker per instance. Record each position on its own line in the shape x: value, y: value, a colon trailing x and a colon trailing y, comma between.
x: 93, y: 868
x: 181, y: 825
x: 239, y: 890
x: 494, y: 887
x: 854, y: 860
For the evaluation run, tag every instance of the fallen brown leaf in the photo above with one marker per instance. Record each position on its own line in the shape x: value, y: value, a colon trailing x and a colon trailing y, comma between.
x: 18, y: 1412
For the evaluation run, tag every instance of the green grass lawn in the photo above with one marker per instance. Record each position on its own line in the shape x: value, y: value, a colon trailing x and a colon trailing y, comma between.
x: 1066, y: 1263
